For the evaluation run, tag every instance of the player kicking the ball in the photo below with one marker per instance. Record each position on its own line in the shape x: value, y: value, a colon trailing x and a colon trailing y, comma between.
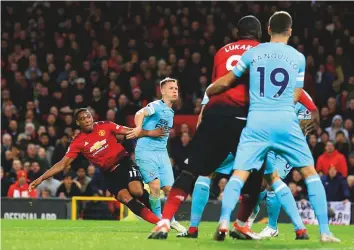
x: 276, y: 79
x: 151, y: 153
x: 97, y: 142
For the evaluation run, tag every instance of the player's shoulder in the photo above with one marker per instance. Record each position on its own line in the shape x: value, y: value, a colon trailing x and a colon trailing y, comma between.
x: 156, y: 103
x: 295, y: 52
x: 77, y: 137
x: 101, y: 124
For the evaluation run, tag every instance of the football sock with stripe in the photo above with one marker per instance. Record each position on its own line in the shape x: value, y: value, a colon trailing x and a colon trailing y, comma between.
x: 318, y: 200
x: 178, y: 194
x: 230, y: 197
x: 273, y: 209
x: 155, y: 203
x: 142, y: 211
x: 200, y: 198
x: 288, y: 203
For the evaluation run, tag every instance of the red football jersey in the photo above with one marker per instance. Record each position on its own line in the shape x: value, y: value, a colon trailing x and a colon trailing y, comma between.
x: 100, y: 146
x: 224, y: 61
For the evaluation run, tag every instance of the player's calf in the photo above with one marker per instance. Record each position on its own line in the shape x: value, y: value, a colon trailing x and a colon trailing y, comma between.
x: 137, y: 190
x: 154, y: 197
x: 317, y: 197
x: 286, y: 199
x: 145, y: 199
x: 179, y: 192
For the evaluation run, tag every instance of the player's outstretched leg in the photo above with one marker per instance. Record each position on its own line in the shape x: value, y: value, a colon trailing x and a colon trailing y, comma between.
x: 273, y: 210
x: 318, y: 200
x: 200, y: 198
x: 136, y: 207
x: 177, y: 195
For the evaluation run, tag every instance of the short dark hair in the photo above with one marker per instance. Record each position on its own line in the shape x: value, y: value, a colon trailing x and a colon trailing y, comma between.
x: 77, y: 112
x: 44, y: 134
x: 166, y: 80
x: 340, y: 133
x: 249, y: 27
x: 325, y: 132
x: 280, y: 22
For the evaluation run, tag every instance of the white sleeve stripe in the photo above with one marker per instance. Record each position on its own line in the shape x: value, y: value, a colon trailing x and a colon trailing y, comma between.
x: 242, y: 63
x: 151, y: 109
x: 299, y: 78
x: 307, y: 94
x: 301, y: 74
x: 240, y: 68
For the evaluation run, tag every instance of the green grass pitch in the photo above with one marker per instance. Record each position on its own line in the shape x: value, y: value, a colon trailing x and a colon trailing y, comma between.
x: 132, y: 235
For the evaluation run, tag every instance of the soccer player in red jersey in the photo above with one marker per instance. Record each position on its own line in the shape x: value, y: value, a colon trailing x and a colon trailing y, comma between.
x: 225, y: 112
x: 97, y: 142
x: 225, y: 59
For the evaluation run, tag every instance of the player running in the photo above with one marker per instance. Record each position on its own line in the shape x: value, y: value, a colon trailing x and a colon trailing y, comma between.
x: 224, y: 112
x: 151, y: 153
x: 97, y: 142
x: 276, y: 79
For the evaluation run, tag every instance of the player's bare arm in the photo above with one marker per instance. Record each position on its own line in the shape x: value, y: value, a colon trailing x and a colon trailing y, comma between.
x: 159, y: 132
x: 138, y: 120
x: 58, y: 167
x: 130, y: 133
x: 200, y: 116
x: 221, y: 84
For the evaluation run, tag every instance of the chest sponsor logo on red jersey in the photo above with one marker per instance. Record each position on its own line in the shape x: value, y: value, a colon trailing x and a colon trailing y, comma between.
x: 101, y: 132
x: 98, y: 145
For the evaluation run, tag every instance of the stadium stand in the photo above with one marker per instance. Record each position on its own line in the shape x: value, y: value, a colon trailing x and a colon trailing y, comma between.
x: 59, y: 56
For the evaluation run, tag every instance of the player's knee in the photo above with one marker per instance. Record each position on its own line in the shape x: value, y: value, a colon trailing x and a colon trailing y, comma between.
x: 136, y: 188
x: 308, y: 171
x: 242, y: 174
x: 124, y: 196
x: 271, y: 178
x: 155, y: 188
x: 137, y: 192
x: 185, y: 182
x: 166, y: 189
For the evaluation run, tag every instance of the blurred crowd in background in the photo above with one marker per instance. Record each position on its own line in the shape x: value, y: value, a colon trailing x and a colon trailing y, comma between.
x: 57, y: 57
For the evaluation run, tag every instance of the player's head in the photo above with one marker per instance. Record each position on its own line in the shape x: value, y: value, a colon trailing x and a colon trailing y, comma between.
x: 169, y: 89
x: 249, y: 27
x: 280, y: 24
x: 84, y: 119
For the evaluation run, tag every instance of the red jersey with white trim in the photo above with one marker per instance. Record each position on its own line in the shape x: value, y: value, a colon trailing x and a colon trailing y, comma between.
x: 100, y: 146
x: 224, y: 61
x: 306, y: 100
